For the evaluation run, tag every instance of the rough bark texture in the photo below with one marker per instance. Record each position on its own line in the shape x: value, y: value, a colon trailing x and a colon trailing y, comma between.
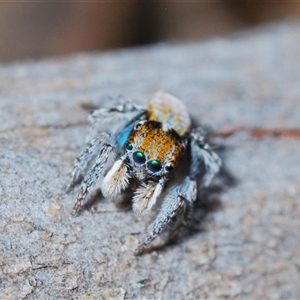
x: 245, y: 86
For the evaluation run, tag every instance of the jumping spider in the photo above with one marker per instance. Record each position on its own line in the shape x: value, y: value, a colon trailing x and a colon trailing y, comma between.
x: 152, y: 151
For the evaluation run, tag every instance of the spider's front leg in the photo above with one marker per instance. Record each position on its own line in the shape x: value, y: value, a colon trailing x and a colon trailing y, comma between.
x: 106, y: 156
x: 202, y: 153
x: 178, y: 199
x: 84, y: 161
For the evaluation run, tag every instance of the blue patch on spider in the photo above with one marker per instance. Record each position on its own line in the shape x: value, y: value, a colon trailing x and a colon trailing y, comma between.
x: 123, y: 135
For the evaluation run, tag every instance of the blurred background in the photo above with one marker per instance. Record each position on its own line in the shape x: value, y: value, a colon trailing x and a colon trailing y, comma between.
x: 39, y: 29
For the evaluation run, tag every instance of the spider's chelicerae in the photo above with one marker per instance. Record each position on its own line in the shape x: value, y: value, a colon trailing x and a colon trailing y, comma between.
x: 152, y: 151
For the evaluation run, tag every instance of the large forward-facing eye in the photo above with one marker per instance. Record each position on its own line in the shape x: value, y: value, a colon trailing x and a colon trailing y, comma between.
x: 139, y: 157
x: 154, y: 166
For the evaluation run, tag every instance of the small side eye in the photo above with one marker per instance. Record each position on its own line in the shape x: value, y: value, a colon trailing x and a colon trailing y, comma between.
x: 128, y: 146
x: 139, y: 157
x: 138, y: 125
x: 169, y: 168
x: 154, y: 166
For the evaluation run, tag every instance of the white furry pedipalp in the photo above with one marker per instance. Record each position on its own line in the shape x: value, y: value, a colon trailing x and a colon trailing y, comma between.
x: 116, y: 180
x: 146, y: 196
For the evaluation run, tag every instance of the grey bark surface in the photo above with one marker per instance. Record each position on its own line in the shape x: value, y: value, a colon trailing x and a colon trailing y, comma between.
x: 248, y: 247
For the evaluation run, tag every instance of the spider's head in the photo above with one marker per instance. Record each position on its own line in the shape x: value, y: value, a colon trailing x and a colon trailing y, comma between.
x: 152, y: 150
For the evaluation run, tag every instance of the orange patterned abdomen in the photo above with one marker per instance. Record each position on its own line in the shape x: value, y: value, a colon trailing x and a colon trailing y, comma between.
x: 170, y: 111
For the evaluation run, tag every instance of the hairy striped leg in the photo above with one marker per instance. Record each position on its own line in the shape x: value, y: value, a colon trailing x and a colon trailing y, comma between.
x: 84, y: 161
x: 124, y: 111
x: 178, y: 199
x: 202, y: 153
x: 95, y: 174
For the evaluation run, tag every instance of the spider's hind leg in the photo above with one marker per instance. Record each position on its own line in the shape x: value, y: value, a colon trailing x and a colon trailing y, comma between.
x: 202, y: 154
x: 126, y: 111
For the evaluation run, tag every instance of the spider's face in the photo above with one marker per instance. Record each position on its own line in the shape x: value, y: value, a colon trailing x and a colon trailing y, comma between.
x: 152, y: 150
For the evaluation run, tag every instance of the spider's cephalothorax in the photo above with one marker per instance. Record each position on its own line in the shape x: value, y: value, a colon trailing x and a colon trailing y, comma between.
x: 153, y: 152
x: 150, y: 147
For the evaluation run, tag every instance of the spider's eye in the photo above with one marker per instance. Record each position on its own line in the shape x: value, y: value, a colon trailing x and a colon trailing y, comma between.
x: 169, y: 168
x: 154, y: 166
x: 138, y: 125
x: 139, y: 157
x: 128, y: 146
